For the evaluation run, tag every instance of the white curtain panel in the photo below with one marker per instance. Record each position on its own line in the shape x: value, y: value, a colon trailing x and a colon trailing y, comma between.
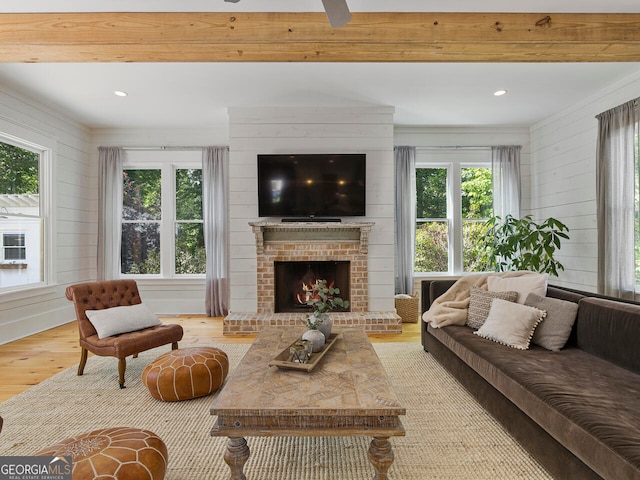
x: 505, y: 170
x: 216, y: 229
x: 110, y: 160
x: 405, y: 206
x: 615, y: 174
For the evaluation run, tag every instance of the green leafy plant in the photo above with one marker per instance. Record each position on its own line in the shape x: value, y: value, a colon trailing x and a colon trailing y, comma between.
x: 322, y: 299
x: 522, y: 244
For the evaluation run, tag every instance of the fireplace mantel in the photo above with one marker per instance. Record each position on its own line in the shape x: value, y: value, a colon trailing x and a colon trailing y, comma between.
x: 318, y: 231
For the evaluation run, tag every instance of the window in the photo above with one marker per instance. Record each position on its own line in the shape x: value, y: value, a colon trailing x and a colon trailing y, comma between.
x: 190, y: 252
x: 453, y: 200
x: 13, y: 247
x: 162, y: 222
x: 24, y: 233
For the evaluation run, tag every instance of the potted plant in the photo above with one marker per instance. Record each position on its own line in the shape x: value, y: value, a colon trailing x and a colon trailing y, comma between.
x: 522, y: 244
x: 323, y: 299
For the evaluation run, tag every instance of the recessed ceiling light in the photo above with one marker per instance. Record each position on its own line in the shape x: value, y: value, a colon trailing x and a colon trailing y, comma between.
x: 120, y: 93
x: 499, y: 93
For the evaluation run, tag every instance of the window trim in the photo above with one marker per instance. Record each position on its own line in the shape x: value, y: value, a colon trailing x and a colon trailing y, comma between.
x: 25, y: 137
x: 454, y: 160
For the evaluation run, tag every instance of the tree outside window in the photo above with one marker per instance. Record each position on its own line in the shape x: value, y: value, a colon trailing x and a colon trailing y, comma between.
x: 190, y: 250
x: 141, y: 217
x: 477, y: 208
x: 19, y: 171
x: 432, y: 226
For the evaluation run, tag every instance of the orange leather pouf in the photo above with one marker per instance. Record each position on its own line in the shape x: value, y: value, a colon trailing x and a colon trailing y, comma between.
x: 186, y: 373
x: 114, y: 454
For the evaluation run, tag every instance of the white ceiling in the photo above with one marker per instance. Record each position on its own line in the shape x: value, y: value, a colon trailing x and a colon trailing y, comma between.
x: 198, y: 94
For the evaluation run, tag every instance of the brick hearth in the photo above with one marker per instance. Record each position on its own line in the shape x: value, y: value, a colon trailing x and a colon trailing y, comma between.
x: 305, y: 242
x: 371, y: 322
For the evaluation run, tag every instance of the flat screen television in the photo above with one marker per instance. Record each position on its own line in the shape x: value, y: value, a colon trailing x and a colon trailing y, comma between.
x: 311, y: 186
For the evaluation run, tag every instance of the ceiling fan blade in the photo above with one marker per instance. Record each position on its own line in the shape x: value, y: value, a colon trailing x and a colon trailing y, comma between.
x: 337, y: 12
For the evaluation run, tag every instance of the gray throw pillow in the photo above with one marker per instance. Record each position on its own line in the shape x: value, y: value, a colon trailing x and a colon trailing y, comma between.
x: 553, y: 332
x: 480, y: 304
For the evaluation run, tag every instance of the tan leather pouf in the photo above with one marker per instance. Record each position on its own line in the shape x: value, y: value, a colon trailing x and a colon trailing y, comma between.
x: 114, y: 454
x: 186, y: 373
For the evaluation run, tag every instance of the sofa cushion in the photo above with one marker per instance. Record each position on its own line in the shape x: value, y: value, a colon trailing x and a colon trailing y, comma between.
x: 480, y: 303
x: 586, y: 403
x: 610, y: 330
x: 524, y: 285
x: 114, y: 321
x: 553, y: 332
x: 511, y: 324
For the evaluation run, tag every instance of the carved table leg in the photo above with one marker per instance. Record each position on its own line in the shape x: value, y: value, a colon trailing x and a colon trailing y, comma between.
x: 381, y: 456
x: 236, y: 455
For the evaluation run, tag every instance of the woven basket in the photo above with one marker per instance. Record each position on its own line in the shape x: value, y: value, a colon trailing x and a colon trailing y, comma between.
x: 408, y: 308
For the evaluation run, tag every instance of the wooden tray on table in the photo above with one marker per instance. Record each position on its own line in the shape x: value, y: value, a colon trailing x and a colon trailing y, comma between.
x: 282, y: 359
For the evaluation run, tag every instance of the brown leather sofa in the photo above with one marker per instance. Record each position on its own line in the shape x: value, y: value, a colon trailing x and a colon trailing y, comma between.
x: 577, y: 410
x: 108, y: 294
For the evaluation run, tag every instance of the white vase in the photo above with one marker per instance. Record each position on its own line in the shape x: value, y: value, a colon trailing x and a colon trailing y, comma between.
x: 326, y: 325
x: 316, y: 337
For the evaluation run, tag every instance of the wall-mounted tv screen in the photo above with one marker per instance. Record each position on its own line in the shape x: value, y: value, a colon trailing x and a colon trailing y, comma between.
x: 311, y: 185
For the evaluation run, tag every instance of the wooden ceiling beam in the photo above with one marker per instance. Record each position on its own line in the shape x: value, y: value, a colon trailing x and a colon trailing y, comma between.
x: 307, y: 37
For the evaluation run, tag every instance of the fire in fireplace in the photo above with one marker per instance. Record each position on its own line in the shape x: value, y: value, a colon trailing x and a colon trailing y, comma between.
x: 291, y: 279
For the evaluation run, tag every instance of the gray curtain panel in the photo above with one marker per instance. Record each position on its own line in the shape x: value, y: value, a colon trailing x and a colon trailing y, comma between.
x: 216, y: 229
x: 110, y: 161
x: 505, y: 170
x: 405, y: 206
x: 615, y: 174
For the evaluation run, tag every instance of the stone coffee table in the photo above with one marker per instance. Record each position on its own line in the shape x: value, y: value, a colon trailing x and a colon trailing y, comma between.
x: 347, y: 394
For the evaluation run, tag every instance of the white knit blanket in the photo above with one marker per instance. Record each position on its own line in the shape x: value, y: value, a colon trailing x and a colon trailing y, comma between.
x: 451, y: 307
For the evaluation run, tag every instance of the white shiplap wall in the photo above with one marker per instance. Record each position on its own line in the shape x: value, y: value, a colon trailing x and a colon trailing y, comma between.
x: 311, y: 130
x: 74, y: 213
x: 562, y: 178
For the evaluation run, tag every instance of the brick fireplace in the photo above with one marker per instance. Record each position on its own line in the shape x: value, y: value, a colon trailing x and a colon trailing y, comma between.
x: 311, y: 243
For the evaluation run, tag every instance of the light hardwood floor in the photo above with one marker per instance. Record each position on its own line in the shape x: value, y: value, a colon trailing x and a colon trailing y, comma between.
x: 29, y: 361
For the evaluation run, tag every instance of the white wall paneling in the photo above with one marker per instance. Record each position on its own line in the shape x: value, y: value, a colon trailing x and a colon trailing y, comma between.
x: 25, y: 312
x: 563, y: 179
x: 256, y: 131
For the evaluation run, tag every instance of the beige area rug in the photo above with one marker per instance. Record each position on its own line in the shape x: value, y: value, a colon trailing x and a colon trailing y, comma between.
x: 449, y: 435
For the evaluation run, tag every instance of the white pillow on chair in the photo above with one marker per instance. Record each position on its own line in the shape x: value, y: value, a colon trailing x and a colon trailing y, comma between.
x: 114, y: 321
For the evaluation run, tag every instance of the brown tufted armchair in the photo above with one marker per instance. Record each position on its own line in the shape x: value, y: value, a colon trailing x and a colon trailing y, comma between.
x: 108, y: 294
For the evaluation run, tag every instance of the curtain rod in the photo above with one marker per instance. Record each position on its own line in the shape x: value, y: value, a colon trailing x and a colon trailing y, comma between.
x: 453, y: 147
x: 163, y: 148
